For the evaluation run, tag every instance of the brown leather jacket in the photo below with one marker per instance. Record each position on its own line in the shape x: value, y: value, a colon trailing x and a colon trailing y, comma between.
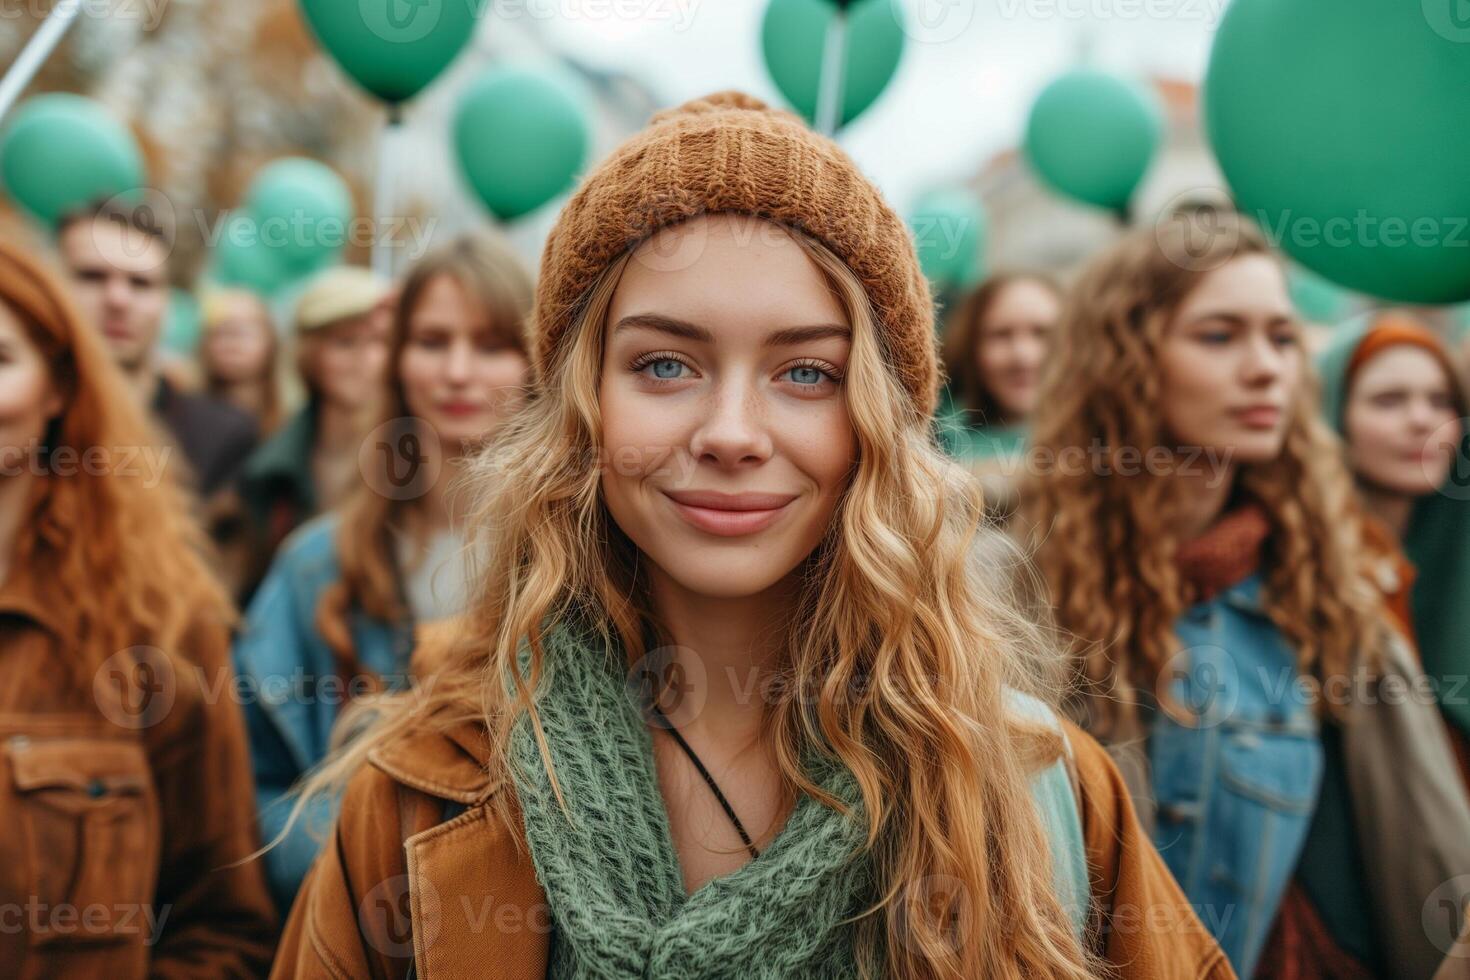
x: 126, y: 794
x: 460, y: 898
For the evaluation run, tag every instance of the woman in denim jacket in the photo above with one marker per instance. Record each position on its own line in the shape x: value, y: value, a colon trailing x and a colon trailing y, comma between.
x: 1197, y: 532
x: 334, y: 619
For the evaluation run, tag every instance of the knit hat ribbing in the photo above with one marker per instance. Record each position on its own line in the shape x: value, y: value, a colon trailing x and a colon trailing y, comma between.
x: 729, y: 152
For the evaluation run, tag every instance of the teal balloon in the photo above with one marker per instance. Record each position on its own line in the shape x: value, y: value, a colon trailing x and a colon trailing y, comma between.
x: 949, y: 229
x: 794, y: 33
x: 1092, y: 136
x: 61, y: 151
x: 521, y: 136
x: 303, y: 210
x: 239, y: 258
x: 182, y: 326
x: 393, y: 48
x: 1317, y: 299
x: 1341, y: 129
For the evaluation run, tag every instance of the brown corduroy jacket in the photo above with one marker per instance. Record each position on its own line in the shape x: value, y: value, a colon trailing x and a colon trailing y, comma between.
x: 460, y: 898
x: 126, y: 795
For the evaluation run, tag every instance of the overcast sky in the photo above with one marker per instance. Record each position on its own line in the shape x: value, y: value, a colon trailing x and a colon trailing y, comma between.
x: 969, y: 71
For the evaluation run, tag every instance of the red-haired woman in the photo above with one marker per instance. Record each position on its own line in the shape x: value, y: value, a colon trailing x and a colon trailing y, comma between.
x: 124, y: 776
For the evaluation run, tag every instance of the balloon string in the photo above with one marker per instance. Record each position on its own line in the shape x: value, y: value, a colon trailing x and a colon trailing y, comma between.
x: 383, y: 195
x: 829, y: 91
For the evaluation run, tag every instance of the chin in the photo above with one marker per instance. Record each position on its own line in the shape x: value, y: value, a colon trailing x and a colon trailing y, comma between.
x: 1253, y: 449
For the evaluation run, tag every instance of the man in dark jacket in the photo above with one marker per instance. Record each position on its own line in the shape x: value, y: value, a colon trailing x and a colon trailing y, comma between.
x: 118, y: 259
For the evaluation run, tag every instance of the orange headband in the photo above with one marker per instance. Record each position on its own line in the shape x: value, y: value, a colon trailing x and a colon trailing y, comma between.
x: 1391, y: 330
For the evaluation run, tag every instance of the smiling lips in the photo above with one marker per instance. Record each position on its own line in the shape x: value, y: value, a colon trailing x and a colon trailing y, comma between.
x: 729, y: 515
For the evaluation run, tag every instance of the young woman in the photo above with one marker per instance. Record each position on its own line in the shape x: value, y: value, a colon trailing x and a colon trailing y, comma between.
x: 1208, y: 560
x: 123, y: 860
x: 733, y: 701
x: 335, y: 617
x: 310, y: 465
x: 1394, y: 394
x: 995, y: 346
x: 238, y: 355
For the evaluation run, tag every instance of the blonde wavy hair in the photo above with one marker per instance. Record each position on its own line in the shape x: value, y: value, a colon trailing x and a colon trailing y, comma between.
x: 1103, y: 542
x: 899, y: 656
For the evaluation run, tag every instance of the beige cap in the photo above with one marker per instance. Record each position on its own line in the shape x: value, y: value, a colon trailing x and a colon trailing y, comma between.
x: 338, y: 293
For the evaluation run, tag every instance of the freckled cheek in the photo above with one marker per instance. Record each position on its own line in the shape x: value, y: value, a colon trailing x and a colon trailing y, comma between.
x: 639, y: 438
x: 820, y: 441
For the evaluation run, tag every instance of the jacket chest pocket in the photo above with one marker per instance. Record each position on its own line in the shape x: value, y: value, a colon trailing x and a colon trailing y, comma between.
x: 89, y: 820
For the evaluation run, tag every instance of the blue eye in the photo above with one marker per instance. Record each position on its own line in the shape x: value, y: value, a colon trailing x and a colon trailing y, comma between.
x: 805, y: 374
x: 666, y: 369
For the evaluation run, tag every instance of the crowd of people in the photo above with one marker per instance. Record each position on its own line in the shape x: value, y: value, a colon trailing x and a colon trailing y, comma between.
x: 713, y: 602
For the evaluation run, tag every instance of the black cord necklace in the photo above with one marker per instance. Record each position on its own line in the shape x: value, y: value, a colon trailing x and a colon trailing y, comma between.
x: 710, y: 780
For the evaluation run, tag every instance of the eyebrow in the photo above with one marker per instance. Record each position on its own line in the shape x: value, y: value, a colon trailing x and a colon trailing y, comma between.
x: 691, y: 331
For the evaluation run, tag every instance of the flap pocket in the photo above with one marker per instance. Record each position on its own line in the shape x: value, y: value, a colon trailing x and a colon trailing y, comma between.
x: 93, y: 768
x: 1279, y: 768
x: 89, y: 821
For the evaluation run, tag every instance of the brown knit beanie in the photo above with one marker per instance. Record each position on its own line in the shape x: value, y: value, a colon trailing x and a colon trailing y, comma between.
x: 729, y: 152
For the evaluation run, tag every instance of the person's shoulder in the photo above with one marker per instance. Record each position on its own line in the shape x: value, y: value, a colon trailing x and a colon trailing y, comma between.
x: 228, y: 421
x: 446, y: 761
x: 314, y: 540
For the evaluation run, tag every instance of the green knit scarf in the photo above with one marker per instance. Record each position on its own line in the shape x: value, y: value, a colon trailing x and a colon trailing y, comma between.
x: 610, y: 870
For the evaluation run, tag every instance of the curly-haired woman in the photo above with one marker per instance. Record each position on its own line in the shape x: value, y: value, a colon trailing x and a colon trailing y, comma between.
x: 831, y: 760
x: 1202, y: 546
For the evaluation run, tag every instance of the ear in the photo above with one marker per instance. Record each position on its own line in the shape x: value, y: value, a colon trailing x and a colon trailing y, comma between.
x: 53, y: 401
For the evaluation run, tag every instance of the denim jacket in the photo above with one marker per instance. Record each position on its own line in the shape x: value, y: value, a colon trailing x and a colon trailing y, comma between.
x: 293, y: 694
x: 1236, y: 763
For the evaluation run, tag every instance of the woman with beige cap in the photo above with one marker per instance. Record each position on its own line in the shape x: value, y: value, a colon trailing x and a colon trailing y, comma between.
x: 731, y: 699
x: 310, y: 464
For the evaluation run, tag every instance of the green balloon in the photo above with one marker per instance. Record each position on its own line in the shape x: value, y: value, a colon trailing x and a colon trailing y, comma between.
x: 1317, y: 299
x: 62, y: 151
x: 1092, y: 137
x: 393, y: 48
x: 794, y: 33
x: 182, y: 327
x: 303, y: 210
x: 949, y: 231
x: 1341, y: 130
x: 239, y: 258
x: 521, y: 136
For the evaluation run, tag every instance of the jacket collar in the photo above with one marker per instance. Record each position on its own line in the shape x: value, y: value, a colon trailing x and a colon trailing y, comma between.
x: 18, y: 597
x: 452, y: 764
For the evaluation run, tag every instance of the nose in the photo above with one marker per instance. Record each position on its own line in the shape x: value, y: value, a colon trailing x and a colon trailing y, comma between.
x: 732, y: 431
x: 1424, y: 416
x: 457, y: 366
x: 1264, y: 362
x: 117, y: 292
